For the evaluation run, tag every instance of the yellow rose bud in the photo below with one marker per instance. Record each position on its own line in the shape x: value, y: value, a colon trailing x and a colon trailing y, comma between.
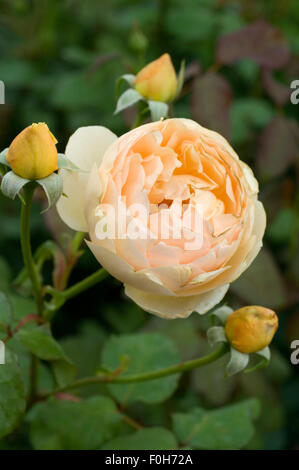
x: 251, y: 328
x: 33, y: 154
x: 157, y: 81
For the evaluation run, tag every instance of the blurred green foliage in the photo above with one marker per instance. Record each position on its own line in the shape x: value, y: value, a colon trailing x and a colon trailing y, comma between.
x: 59, y: 61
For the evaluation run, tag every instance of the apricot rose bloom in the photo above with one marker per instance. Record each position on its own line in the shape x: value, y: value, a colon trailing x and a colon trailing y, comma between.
x: 163, y: 166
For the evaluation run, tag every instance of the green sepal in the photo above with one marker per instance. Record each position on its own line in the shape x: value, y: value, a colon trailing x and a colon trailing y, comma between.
x: 181, y: 76
x: 12, y: 184
x: 127, y: 99
x: 3, y: 160
x: 158, y: 110
x: 53, y: 187
x: 128, y: 78
x: 67, y: 164
x: 216, y: 334
x: 266, y: 354
x: 222, y: 313
x: 238, y: 362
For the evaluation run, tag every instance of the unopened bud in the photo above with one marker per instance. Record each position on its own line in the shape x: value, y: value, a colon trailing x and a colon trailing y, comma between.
x: 33, y: 154
x: 157, y: 81
x: 251, y: 328
x: 138, y: 41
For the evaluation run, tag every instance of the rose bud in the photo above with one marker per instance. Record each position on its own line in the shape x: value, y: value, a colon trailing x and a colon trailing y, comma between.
x: 157, y: 81
x: 33, y: 154
x: 251, y: 328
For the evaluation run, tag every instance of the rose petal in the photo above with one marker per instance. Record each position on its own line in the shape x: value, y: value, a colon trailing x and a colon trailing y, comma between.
x: 88, y: 144
x: 122, y: 271
x: 85, y: 148
x: 176, y: 307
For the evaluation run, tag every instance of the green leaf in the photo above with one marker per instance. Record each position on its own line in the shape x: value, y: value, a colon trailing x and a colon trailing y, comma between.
x: 124, y: 318
x: 12, y: 184
x: 53, y: 187
x: 158, y: 110
x: 183, y: 334
x: 146, y: 352
x: 68, y: 425
x: 144, y: 439
x: 22, y: 307
x: 226, y: 428
x: 17, y: 72
x: 281, y: 229
x: 211, y: 385
x: 12, y: 394
x: 261, y: 283
x: 84, y: 349
x: 190, y: 24
x: 64, y: 371
x: 279, y: 369
x: 6, y: 311
x: 128, y: 98
x: 40, y: 342
x: 247, y: 115
x: 5, y: 275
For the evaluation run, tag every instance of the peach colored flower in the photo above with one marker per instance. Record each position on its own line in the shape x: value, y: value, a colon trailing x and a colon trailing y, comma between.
x: 162, y: 166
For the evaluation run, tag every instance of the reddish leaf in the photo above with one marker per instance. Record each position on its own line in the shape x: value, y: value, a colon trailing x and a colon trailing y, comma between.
x: 192, y: 70
x: 59, y: 231
x: 68, y: 397
x: 292, y: 70
x: 279, y: 93
x: 102, y: 60
x: 278, y: 147
x: 258, y: 41
x: 211, y: 100
x: 262, y: 283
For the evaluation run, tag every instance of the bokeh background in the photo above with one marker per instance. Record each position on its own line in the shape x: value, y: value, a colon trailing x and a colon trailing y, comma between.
x: 59, y: 60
